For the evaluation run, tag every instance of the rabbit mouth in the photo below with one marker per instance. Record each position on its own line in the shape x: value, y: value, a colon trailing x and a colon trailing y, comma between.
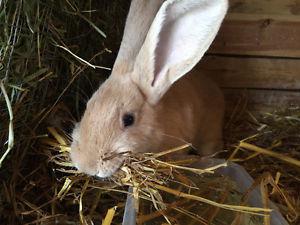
x: 109, y: 168
x: 110, y: 165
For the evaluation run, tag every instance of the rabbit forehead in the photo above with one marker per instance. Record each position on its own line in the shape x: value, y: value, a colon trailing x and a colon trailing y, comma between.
x: 116, y: 95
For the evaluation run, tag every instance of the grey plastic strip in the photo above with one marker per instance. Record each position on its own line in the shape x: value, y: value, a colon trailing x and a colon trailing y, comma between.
x: 129, y: 213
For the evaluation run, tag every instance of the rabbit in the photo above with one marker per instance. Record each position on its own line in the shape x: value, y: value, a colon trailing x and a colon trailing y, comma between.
x: 152, y: 100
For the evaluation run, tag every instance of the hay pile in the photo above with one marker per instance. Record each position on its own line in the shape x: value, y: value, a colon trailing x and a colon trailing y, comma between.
x: 45, y: 53
x: 169, y: 190
x: 269, y: 148
x: 53, y: 54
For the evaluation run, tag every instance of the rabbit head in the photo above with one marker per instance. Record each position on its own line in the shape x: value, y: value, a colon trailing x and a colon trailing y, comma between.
x: 162, y: 42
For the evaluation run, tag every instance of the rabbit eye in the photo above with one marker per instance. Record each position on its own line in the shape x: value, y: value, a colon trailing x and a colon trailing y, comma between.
x: 128, y: 119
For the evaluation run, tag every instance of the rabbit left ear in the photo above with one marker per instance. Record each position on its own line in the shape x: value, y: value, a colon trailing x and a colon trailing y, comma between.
x: 180, y: 34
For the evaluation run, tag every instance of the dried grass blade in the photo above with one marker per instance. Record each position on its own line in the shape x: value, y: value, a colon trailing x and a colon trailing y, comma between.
x: 109, y: 216
x: 244, y: 209
x: 265, y: 201
x: 179, y: 148
x: 279, y: 156
x: 10, y: 142
x: 65, y: 188
x: 57, y: 136
x: 194, y: 170
x: 82, y: 218
x: 82, y: 60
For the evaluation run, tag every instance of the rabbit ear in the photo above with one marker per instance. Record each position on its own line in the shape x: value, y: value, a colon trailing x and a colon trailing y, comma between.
x: 180, y: 34
x: 138, y: 22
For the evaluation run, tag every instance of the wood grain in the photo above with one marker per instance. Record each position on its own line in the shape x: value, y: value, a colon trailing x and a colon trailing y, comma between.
x: 260, y: 28
x: 256, y: 54
x: 261, y: 100
x: 251, y: 72
x: 279, y: 7
x: 258, y: 35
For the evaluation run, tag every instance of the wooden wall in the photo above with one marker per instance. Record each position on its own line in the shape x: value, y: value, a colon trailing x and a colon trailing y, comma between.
x: 257, y: 53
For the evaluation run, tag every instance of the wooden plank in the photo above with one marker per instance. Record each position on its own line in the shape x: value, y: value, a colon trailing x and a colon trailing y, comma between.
x: 249, y: 72
x: 260, y: 27
x: 262, y: 17
x: 267, y: 7
x: 261, y: 100
x: 263, y: 35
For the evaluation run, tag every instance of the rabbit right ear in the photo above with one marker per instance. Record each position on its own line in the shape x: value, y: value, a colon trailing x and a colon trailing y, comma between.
x: 179, y: 36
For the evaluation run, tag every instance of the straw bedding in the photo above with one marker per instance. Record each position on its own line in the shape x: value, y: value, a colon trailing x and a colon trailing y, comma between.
x: 53, y: 55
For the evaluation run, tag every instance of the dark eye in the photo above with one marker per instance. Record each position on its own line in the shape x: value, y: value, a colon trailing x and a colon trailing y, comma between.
x: 128, y: 119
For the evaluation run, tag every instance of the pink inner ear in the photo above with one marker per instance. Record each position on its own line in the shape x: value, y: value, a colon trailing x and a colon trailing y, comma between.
x: 162, y: 51
x: 180, y: 34
x: 176, y: 43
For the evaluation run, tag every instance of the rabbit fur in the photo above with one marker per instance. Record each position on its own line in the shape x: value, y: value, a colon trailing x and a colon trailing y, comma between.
x: 152, y: 81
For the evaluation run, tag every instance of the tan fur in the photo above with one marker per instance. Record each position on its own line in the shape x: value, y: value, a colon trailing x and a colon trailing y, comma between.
x: 181, y: 116
x: 190, y: 111
x: 197, y: 120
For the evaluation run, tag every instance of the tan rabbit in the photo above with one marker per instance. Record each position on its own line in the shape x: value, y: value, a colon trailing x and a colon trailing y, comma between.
x: 143, y: 106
